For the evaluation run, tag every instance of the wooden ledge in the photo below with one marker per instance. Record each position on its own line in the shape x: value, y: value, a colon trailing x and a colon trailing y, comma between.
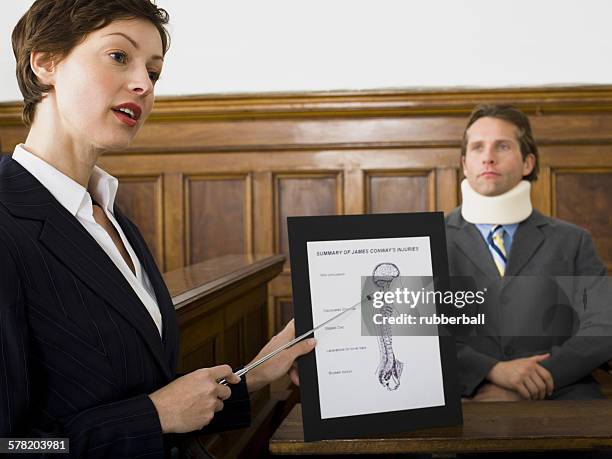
x: 488, y: 426
x: 209, y: 278
x: 384, y: 102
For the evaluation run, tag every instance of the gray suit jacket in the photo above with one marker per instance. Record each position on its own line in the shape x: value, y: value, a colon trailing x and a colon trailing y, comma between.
x: 530, y: 314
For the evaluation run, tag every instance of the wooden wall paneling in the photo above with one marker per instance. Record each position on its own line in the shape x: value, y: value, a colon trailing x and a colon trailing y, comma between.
x: 572, y: 128
x: 263, y: 215
x: 354, y: 193
x: 418, y: 129
x: 233, y: 288
x: 577, y: 155
x: 400, y: 191
x: 582, y: 196
x: 305, y: 194
x: 299, y: 193
x: 218, y: 216
x: 255, y: 325
x: 432, y: 199
x: 141, y: 199
x: 221, y: 308
x: 541, y: 198
x: 11, y: 135
x: 460, y: 179
x: 263, y: 229
x: 264, y: 161
x: 559, y: 115
x: 347, y: 135
x: 237, y: 316
x: 233, y: 345
x: 280, y: 302
x: 174, y: 221
x: 296, y: 133
x: 579, y: 180
x: 447, y: 189
x: 142, y: 164
x: 202, y: 345
x: 390, y: 158
x: 283, y: 310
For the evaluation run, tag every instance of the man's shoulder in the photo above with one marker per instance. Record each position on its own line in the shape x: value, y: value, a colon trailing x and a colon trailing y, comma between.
x: 558, y: 225
x: 454, y: 218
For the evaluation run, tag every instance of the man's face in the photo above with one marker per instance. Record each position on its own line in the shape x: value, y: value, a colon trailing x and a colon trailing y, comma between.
x: 493, y: 163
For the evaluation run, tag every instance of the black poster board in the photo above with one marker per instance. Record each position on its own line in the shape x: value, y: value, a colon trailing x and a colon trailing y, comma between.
x: 354, y: 228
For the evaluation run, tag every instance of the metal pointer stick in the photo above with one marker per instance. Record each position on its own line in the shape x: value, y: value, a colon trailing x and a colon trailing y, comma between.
x: 267, y: 357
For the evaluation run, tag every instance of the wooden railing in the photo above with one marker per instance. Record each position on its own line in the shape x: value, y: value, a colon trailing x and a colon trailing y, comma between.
x: 221, y: 306
x: 208, y: 176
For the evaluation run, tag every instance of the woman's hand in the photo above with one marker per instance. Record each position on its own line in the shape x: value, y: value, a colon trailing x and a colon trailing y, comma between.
x: 190, y: 402
x: 280, y: 364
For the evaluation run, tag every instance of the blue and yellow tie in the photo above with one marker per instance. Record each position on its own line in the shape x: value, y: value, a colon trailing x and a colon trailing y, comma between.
x: 496, y: 242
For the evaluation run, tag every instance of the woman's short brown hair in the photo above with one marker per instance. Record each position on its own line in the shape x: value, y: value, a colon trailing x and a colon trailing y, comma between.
x: 514, y: 116
x: 57, y: 26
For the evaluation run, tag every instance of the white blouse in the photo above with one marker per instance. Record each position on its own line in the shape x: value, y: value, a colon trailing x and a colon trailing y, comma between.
x: 77, y: 200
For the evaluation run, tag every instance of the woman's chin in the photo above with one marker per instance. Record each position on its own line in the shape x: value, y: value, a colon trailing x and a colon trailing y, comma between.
x: 115, y: 143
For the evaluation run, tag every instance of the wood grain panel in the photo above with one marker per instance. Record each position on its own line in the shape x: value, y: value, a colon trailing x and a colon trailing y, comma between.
x: 140, y: 198
x: 523, y: 429
x: 304, y: 194
x: 174, y: 221
x: 284, y: 311
x: 201, y: 357
x: 447, y: 188
x: 201, y: 345
x: 221, y: 308
x: 251, y: 160
x: 232, y: 344
x: 218, y: 215
x: 584, y: 198
x: 389, y: 192
x: 255, y: 332
x: 541, y: 190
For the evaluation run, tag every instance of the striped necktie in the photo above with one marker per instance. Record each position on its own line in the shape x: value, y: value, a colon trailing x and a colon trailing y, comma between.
x: 496, y: 242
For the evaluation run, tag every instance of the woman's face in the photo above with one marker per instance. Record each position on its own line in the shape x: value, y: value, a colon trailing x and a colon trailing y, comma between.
x: 103, y: 89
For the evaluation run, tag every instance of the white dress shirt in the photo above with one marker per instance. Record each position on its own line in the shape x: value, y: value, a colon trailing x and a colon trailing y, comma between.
x: 77, y: 200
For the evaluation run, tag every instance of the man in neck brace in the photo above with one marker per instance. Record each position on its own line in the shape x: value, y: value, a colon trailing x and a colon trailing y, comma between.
x: 496, y: 235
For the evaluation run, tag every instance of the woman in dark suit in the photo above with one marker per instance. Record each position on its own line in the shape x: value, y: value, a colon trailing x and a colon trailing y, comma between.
x: 88, y: 334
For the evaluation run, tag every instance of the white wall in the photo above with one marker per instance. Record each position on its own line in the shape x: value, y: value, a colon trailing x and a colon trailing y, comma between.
x: 229, y: 46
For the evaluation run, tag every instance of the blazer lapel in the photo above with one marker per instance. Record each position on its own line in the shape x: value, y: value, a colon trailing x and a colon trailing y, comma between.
x: 66, y: 238
x: 164, y: 301
x: 527, y: 240
x: 473, y: 246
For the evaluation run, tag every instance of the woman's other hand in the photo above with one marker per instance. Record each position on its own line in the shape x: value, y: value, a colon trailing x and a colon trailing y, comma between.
x: 282, y: 363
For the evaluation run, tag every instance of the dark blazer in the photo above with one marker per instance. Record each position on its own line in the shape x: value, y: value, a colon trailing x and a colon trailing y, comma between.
x: 78, y: 350
x: 530, y: 314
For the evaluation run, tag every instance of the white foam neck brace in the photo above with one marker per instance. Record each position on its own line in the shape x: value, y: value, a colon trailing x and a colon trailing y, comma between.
x: 513, y: 206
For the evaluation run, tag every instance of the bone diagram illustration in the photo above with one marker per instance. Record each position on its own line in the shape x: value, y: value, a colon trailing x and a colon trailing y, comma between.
x: 389, y: 369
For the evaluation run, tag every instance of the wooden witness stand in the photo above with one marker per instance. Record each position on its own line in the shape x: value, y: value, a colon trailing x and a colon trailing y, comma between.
x: 223, y: 315
x: 488, y: 427
x: 221, y: 306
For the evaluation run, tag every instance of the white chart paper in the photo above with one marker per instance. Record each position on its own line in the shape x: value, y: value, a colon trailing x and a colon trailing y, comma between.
x: 349, y: 364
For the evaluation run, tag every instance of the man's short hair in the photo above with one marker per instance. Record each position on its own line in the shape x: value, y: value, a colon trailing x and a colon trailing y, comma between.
x: 514, y: 116
x: 57, y: 26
